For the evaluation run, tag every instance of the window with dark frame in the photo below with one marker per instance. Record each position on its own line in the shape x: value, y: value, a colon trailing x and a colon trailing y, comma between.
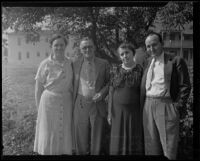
x: 164, y: 36
x: 19, y: 41
x: 185, y: 54
x: 191, y: 53
x: 19, y: 56
x: 188, y: 37
x: 38, y: 54
x: 172, y: 36
x: 27, y: 55
x: 27, y: 41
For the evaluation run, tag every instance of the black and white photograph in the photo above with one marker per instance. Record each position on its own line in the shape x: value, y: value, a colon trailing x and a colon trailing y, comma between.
x: 98, y: 79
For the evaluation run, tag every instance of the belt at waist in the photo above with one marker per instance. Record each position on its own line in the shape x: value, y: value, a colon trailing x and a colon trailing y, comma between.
x: 166, y: 99
x: 54, y: 92
x: 158, y: 97
x: 86, y: 99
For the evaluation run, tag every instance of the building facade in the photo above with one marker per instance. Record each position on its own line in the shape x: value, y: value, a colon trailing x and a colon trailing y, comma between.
x: 22, y: 52
x: 179, y: 43
x: 30, y: 54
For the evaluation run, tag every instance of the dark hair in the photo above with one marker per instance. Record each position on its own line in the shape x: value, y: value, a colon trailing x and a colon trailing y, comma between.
x: 57, y: 36
x: 127, y: 45
x: 157, y: 34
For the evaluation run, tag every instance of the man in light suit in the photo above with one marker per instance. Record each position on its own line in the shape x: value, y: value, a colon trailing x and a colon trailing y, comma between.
x: 91, y: 78
x: 165, y: 89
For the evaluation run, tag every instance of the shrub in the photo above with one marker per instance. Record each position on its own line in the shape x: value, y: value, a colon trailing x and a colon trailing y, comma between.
x: 185, y: 150
x: 19, y: 140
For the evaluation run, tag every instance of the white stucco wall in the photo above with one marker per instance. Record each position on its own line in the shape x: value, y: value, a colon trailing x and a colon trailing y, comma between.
x: 42, y: 47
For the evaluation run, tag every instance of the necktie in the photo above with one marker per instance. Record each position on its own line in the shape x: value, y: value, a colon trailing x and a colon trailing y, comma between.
x: 150, y: 74
x: 89, y: 73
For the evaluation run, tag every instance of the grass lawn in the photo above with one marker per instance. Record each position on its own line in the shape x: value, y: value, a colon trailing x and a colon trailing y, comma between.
x: 19, y: 111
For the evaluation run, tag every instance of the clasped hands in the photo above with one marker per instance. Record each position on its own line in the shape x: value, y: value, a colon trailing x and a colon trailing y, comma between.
x: 97, y: 97
x: 109, y: 118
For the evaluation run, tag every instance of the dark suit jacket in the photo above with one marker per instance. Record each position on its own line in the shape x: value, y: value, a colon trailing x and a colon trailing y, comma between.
x: 175, y: 71
x: 102, y: 81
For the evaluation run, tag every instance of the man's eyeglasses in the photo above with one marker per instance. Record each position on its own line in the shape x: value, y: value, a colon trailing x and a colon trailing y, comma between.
x: 87, y: 47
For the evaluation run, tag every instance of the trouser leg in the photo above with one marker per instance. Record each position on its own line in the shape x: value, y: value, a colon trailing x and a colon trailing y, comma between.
x: 81, y: 128
x: 97, y: 134
x: 151, y: 136
x: 168, y: 125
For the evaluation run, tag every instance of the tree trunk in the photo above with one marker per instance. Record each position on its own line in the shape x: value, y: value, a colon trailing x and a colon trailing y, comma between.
x: 117, y: 28
x: 94, y: 12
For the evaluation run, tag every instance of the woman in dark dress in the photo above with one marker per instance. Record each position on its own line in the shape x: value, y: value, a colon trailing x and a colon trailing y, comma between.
x: 124, y: 111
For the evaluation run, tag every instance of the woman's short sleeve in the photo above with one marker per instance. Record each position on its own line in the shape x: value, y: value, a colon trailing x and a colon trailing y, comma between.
x: 41, y: 73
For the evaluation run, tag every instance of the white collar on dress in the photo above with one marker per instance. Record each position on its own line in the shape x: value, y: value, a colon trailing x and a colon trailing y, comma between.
x: 50, y: 58
x: 128, y: 68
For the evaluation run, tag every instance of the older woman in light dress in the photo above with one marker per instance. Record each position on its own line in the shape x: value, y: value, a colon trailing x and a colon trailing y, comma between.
x: 53, y: 94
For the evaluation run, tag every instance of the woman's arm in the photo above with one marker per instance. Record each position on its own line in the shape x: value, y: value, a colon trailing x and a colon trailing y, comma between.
x: 110, y: 99
x: 38, y: 92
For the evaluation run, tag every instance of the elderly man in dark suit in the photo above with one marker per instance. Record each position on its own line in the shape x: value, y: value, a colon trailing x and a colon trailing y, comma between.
x: 165, y: 89
x: 91, y: 78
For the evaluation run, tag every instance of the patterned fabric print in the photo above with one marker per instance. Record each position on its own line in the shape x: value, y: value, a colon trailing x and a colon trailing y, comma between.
x: 121, y: 77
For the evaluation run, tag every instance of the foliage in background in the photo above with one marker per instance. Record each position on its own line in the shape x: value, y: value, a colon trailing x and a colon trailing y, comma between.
x: 108, y: 26
x: 18, y: 137
x: 175, y: 14
x: 185, y: 150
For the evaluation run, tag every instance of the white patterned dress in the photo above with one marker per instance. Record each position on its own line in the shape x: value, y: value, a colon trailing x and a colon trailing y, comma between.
x: 54, y: 121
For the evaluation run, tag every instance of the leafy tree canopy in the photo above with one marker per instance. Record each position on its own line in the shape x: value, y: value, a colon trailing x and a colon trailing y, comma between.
x: 176, y: 14
x: 108, y: 26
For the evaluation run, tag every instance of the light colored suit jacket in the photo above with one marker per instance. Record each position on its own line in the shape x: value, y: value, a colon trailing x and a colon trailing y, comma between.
x: 102, y: 81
